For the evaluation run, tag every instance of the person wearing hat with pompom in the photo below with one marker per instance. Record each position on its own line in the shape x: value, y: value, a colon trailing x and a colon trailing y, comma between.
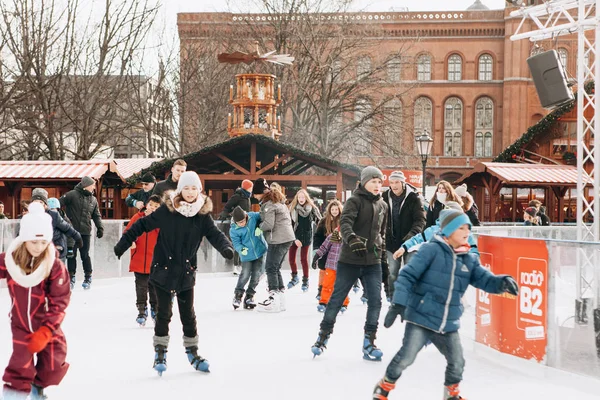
x: 428, y: 296
x: 183, y: 221
x: 140, y: 197
x: 38, y: 285
x: 469, y: 206
x: 81, y: 207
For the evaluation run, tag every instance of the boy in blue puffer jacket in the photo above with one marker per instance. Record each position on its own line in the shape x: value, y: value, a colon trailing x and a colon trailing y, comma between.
x: 428, y: 296
x: 251, y: 245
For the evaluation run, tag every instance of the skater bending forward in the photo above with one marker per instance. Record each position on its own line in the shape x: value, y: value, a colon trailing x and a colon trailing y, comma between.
x: 38, y: 285
x: 184, y: 219
x: 428, y: 295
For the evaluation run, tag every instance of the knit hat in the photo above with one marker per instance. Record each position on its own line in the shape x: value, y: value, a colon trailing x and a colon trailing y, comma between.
x: 188, y: 178
x: 461, y: 190
x: 39, y: 194
x: 531, y: 211
x: 238, y: 214
x: 87, y: 181
x: 36, y: 224
x: 451, y: 220
x: 452, y: 205
x: 247, y: 185
x: 398, y: 175
x: 369, y: 173
x: 260, y: 185
x: 53, y: 203
x: 330, y: 196
x: 148, y: 178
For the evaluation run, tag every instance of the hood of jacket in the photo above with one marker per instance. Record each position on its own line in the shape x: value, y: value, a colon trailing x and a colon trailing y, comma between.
x: 243, y: 193
x: 361, y: 191
x: 80, y: 188
x: 205, y: 209
x: 35, y: 278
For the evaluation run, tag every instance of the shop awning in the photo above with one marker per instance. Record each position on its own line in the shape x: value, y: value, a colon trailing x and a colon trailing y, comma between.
x: 58, y: 170
x: 126, y: 167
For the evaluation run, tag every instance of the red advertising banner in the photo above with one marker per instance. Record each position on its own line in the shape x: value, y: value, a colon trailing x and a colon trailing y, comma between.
x: 415, y: 178
x: 515, y: 325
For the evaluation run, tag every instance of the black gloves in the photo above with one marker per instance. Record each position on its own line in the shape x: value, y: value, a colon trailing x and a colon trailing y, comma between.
x: 315, y: 262
x: 510, y: 285
x: 118, y: 251
x: 100, y: 233
x: 357, y: 246
x: 393, y: 312
x: 227, y: 253
x: 79, y: 243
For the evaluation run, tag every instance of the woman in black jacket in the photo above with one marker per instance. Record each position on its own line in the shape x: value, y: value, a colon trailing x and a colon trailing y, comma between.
x: 183, y: 221
x: 444, y: 193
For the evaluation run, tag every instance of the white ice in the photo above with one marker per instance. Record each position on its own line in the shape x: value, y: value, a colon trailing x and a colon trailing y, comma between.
x: 267, y: 356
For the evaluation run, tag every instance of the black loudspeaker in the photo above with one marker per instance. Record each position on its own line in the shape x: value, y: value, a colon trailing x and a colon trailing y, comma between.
x: 550, y: 79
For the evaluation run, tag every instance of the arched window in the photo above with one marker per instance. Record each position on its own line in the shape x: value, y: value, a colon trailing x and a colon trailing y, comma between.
x: 484, y: 127
x: 424, y: 67
x: 485, y: 67
x: 453, y: 127
x: 563, y: 56
x: 363, y: 67
x: 454, y: 68
x: 423, y: 116
x: 362, y: 114
x: 393, y: 124
x: 394, y: 69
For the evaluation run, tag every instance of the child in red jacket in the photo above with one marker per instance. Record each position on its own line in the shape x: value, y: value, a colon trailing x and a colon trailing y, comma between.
x: 142, y: 251
x: 38, y: 285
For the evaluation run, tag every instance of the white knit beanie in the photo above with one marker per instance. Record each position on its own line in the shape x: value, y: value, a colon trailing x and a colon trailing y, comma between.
x: 461, y: 190
x: 36, y: 224
x: 188, y: 178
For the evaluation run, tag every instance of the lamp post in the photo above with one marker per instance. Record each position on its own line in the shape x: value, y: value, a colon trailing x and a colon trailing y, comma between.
x: 424, y: 144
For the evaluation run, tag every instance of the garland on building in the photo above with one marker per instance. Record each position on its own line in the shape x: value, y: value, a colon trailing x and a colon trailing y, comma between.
x: 511, y: 152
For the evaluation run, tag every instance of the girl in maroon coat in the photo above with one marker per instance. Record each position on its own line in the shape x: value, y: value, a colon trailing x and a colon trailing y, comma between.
x: 38, y: 284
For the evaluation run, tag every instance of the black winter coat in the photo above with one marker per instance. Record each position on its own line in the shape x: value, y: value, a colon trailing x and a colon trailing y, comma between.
x: 433, y: 213
x: 318, y: 239
x: 239, y: 198
x: 412, y: 217
x: 140, y: 195
x: 62, y: 229
x: 164, y: 186
x: 174, y: 262
x: 364, y: 215
x: 81, y: 207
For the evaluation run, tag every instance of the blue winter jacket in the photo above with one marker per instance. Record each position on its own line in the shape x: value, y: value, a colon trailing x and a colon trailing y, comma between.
x: 243, y: 236
x: 430, y: 232
x: 433, y: 282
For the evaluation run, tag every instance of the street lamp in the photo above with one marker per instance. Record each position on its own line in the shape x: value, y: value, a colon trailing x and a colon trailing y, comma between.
x: 424, y: 143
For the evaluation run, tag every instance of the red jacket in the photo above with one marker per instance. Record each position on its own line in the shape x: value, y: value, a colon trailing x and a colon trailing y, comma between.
x: 141, y: 257
x: 39, y: 299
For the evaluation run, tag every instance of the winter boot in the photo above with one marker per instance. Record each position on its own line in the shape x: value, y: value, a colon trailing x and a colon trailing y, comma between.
x: 295, y: 280
x: 191, y: 349
x: 282, y: 300
x: 383, y: 389
x: 321, y: 343
x: 321, y: 307
x: 87, y: 282
x: 160, y: 353
x: 319, y: 292
x: 452, y: 392
x: 73, y: 280
x: 37, y: 393
x: 237, y: 300
x: 370, y: 351
x: 271, y: 304
x: 249, y: 302
x: 10, y: 394
x: 305, y: 283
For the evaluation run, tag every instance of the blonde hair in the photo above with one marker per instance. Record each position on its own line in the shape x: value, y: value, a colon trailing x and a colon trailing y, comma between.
x: 274, y: 196
x: 24, y: 260
x: 309, y: 201
x: 331, y: 222
x: 450, y: 193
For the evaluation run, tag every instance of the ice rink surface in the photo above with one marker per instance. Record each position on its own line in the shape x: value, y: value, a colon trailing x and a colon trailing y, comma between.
x: 267, y: 356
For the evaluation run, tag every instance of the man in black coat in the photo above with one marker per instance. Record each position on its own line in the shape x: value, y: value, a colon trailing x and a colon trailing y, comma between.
x: 170, y: 184
x: 140, y: 198
x: 406, y: 219
x: 81, y: 207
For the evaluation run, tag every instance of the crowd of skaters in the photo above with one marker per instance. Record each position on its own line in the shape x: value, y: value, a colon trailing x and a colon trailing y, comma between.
x: 386, y: 240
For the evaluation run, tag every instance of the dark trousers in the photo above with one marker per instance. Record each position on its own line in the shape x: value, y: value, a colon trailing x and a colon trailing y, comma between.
x: 251, y: 271
x: 275, y: 256
x: 143, y: 287
x: 347, y: 274
x: 185, y: 301
x: 415, y: 337
x: 84, y: 254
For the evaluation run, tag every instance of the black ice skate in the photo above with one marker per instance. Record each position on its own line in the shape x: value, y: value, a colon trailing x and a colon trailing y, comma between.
x: 199, y: 363
x: 321, y: 343
x: 237, y: 300
x: 160, y: 359
x: 249, y: 302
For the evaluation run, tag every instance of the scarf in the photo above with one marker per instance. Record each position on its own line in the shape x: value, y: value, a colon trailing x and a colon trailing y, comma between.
x: 303, y: 211
x: 188, y: 209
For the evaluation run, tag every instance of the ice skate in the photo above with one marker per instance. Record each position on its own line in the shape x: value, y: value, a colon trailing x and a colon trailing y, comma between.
x: 321, y: 307
x: 73, y: 280
x: 305, y: 284
x: 249, y: 302
x: 87, y: 283
x: 141, y: 319
x: 9, y: 394
x: 199, y: 363
x: 452, y: 392
x: 295, y: 280
x: 37, y: 393
x: 237, y: 300
x: 271, y: 304
x: 370, y: 351
x: 160, y: 359
x: 321, y: 343
x: 383, y: 389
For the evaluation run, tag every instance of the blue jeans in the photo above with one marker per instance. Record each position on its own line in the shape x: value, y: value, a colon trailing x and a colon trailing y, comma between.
x: 347, y: 274
x: 395, y: 266
x: 415, y: 338
x: 275, y: 256
x: 251, y: 271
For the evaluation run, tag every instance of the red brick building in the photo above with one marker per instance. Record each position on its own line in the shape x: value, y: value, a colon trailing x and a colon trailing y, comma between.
x: 474, y: 92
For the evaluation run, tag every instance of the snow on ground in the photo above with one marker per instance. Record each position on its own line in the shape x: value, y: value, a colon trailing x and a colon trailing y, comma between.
x: 262, y: 356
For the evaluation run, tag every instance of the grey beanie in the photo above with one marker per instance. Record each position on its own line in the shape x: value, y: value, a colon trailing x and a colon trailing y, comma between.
x: 87, y: 181
x: 238, y: 214
x: 39, y: 194
x: 398, y: 175
x: 453, y: 205
x: 369, y: 173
